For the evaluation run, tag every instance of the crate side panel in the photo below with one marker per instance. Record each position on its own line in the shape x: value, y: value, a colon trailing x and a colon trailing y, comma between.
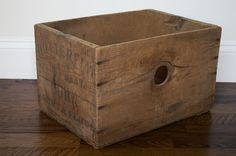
x: 66, y: 80
x: 126, y: 92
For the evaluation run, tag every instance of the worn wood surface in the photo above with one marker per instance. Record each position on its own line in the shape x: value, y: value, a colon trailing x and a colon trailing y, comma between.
x: 66, y: 80
x: 24, y: 130
x: 128, y: 96
x: 105, y: 67
x: 126, y: 26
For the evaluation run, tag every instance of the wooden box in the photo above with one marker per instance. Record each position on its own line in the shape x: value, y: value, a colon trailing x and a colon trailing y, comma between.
x: 110, y: 77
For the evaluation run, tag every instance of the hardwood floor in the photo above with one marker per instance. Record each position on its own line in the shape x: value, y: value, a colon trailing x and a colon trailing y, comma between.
x: 24, y: 130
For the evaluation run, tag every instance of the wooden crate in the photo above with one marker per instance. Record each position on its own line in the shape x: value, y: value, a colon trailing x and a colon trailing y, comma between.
x: 110, y: 77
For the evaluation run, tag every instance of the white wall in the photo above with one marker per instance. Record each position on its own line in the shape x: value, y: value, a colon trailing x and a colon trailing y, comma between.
x: 17, y: 17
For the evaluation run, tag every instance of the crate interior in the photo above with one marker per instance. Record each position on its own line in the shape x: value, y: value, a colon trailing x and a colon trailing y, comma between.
x: 122, y: 27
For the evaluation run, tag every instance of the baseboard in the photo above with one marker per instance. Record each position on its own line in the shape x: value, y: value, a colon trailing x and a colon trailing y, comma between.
x: 227, y: 62
x: 17, y: 60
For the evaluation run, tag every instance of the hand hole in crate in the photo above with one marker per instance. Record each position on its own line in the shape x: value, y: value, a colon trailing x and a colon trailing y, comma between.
x: 161, y: 75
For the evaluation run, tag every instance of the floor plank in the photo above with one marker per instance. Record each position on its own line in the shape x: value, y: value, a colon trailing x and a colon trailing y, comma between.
x: 24, y: 130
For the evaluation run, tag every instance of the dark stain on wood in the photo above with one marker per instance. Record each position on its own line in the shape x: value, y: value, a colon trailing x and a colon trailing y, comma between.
x: 102, y: 61
x: 215, y: 58
x: 101, y: 107
x: 175, y: 21
x: 213, y: 73
x: 102, y: 83
x: 174, y: 107
x: 218, y: 39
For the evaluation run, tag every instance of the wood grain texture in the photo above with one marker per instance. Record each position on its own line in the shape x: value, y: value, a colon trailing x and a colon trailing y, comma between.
x: 122, y: 27
x: 128, y: 96
x: 66, y: 80
x: 98, y: 74
x: 24, y: 130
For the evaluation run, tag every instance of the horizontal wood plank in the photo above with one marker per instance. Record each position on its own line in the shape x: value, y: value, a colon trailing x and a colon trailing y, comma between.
x: 26, y: 131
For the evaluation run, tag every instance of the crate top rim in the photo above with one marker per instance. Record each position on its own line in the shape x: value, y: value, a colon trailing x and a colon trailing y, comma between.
x: 45, y: 25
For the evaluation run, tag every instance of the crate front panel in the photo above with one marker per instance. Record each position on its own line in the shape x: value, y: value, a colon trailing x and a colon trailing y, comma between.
x: 130, y: 103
